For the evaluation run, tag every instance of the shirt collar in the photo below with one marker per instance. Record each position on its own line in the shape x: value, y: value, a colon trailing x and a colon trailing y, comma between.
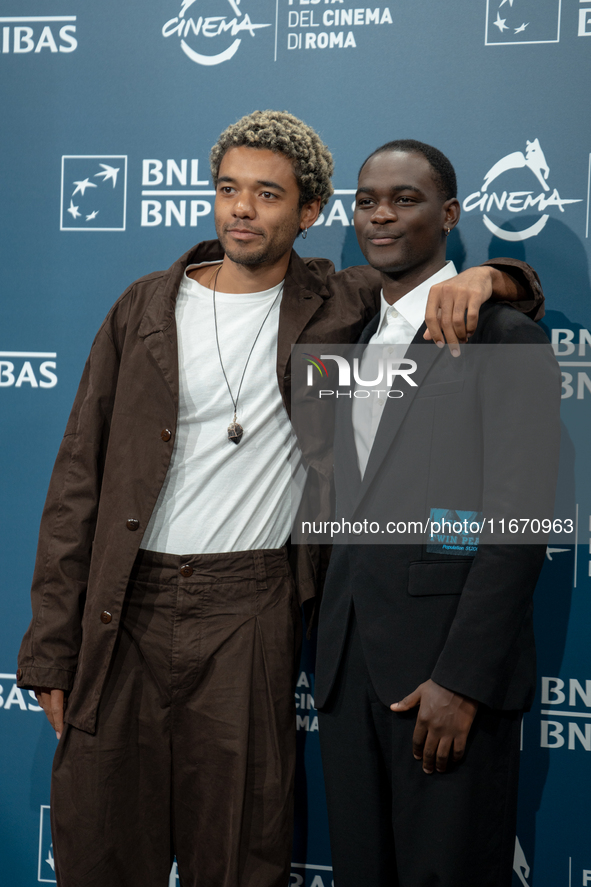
x: 413, y: 305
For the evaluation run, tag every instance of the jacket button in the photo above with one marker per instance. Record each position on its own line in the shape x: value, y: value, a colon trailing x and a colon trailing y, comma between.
x: 19, y: 674
x: 106, y: 617
x: 165, y: 434
x: 186, y: 570
x: 132, y: 523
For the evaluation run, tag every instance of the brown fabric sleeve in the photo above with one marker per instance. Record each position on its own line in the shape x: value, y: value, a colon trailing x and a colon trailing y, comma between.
x: 532, y: 301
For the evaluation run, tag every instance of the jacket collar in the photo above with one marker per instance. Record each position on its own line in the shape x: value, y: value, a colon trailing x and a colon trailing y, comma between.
x: 159, y: 314
x: 303, y: 294
x: 304, y: 289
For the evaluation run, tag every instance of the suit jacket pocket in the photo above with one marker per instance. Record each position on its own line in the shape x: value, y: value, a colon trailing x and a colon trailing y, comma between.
x: 438, y: 577
x: 435, y: 389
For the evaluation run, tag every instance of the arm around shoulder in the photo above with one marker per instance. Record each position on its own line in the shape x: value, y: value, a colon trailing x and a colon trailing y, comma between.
x: 518, y: 283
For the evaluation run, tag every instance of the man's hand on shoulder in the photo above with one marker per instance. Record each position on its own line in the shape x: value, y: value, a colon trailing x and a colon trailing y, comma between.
x: 454, y: 305
x: 52, y: 703
x: 444, y: 721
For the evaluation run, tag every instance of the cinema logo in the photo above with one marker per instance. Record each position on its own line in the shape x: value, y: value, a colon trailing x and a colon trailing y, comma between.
x: 521, y: 201
x: 32, y: 369
x: 209, y: 33
x: 386, y: 370
x: 566, y: 722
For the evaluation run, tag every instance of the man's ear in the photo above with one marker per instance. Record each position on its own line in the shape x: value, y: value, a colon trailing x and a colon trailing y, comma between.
x: 309, y: 213
x: 451, y: 213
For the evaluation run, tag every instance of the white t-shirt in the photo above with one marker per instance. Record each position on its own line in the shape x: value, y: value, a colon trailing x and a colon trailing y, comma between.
x: 219, y: 496
x: 399, y: 324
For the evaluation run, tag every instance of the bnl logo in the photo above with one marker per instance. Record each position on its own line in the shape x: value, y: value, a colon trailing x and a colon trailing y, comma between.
x: 46, y: 867
x: 522, y: 21
x: 94, y: 192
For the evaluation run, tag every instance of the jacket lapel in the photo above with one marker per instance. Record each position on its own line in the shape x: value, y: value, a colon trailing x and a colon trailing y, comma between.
x: 346, y: 465
x: 395, y: 410
x: 158, y: 326
x: 303, y: 294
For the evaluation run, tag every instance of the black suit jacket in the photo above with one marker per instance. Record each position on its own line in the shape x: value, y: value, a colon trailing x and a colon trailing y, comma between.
x: 464, y: 621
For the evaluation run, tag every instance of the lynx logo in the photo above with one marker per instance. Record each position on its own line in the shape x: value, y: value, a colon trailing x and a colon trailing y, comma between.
x: 94, y: 192
x: 517, y: 201
x: 205, y: 28
x: 46, y: 867
x: 522, y: 21
x: 38, y: 33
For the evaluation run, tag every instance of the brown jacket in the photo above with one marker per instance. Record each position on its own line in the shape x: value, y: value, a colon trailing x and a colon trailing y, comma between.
x: 116, y: 451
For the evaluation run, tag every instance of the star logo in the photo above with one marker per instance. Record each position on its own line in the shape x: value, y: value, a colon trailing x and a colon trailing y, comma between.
x: 73, y: 210
x: 500, y: 23
x: 109, y: 172
x: 46, y: 860
x: 50, y: 860
x: 519, y: 22
x: 99, y: 184
x: 82, y: 186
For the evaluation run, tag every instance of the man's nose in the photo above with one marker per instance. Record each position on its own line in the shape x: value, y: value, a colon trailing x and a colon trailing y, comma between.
x: 384, y: 213
x: 243, y: 207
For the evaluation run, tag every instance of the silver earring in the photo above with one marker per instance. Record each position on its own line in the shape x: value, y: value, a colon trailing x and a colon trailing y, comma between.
x: 304, y: 233
x: 447, y: 232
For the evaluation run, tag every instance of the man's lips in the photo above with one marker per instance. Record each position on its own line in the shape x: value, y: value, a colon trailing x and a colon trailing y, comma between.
x: 244, y: 234
x: 383, y: 238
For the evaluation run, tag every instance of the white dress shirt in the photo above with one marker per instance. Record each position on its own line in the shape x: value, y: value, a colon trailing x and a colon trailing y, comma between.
x: 399, y: 324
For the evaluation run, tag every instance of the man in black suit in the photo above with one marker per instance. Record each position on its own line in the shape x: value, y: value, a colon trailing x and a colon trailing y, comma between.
x: 444, y: 627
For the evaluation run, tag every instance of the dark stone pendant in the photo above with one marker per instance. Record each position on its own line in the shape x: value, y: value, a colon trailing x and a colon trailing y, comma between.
x: 235, y: 432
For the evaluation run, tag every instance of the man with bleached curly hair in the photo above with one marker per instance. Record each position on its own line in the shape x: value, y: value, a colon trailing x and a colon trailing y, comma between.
x: 282, y: 133
x: 166, y: 621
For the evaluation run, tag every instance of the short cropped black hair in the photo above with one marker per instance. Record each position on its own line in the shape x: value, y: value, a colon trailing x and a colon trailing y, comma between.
x: 443, y: 172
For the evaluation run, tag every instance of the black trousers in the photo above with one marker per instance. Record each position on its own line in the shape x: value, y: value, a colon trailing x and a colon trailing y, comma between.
x: 392, y: 825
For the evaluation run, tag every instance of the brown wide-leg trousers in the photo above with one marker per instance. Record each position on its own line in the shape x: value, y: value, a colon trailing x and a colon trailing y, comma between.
x: 194, y: 750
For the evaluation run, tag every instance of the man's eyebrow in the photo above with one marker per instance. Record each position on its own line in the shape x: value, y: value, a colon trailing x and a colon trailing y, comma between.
x: 275, y: 185
x: 394, y: 189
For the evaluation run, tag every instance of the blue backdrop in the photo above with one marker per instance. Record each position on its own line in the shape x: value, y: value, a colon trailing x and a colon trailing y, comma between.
x: 108, y: 114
